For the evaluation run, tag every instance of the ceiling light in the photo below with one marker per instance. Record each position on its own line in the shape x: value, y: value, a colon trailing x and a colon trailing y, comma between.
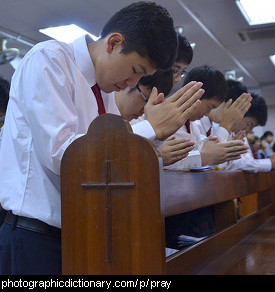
x: 272, y: 58
x: 257, y: 11
x: 66, y: 33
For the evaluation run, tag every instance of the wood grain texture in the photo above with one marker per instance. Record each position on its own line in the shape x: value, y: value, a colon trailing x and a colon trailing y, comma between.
x: 134, y: 247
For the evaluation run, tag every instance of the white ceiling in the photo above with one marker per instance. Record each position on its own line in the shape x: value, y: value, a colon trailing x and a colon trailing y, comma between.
x: 214, y: 25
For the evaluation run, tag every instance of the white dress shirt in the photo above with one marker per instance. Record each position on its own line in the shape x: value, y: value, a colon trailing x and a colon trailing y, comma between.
x: 51, y: 104
x: 248, y: 163
x: 204, y: 124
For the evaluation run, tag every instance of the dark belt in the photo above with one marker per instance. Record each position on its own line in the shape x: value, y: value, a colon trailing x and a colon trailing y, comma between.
x: 32, y: 225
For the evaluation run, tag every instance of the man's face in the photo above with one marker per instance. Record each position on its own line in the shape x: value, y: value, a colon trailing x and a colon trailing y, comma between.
x: 116, y: 71
x: 178, y: 72
x: 269, y: 139
x: 131, y: 103
x: 245, y: 124
x: 204, y: 109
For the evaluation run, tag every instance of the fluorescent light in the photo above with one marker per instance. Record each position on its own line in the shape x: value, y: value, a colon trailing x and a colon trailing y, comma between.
x: 66, y: 33
x: 257, y: 11
x: 272, y: 58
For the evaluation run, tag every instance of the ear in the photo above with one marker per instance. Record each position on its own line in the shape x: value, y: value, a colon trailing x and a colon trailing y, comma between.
x: 114, y: 41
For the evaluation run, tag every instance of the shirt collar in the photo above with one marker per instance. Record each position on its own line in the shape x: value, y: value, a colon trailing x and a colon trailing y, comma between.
x: 83, y: 59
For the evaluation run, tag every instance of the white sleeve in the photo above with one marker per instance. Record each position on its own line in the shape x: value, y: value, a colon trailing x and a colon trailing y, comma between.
x: 48, y: 106
x: 248, y: 163
x: 222, y: 134
x: 144, y: 129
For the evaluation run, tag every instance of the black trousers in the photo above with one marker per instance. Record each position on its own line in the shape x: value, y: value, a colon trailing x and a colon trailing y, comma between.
x: 24, y: 252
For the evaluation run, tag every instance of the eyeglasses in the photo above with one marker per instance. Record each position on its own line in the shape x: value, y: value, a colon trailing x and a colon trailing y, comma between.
x: 141, y: 93
x: 177, y: 73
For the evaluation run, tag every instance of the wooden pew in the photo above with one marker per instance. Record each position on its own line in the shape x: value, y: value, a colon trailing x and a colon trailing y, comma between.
x: 219, y: 189
x: 115, y: 198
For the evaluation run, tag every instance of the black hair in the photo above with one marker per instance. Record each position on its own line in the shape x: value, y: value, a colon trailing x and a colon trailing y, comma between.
x: 235, y: 89
x: 148, y: 29
x: 267, y: 133
x: 4, y: 95
x: 258, y: 109
x: 162, y: 80
x: 185, y: 51
x: 213, y: 81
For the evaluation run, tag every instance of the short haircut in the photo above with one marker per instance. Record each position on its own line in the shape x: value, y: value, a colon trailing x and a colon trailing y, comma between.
x: 148, y: 29
x: 185, y: 51
x: 267, y: 133
x: 213, y: 81
x: 162, y: 80
x: 4, y: 95
x: 258, y: 109
x: 235, y: 89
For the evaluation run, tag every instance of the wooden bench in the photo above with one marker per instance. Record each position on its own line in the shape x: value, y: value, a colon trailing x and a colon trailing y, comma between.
x: 116, y: 196
x: 232, y: 249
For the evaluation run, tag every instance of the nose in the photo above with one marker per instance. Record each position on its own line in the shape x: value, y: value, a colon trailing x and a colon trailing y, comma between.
x: 133, y: 81
x: 177, y: 79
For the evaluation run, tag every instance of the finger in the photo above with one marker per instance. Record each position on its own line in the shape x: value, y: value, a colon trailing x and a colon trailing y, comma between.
x: 188, y: 104
x: 178, y: 94
x: 181, y: 145
x: 240, y: 101
x: 234, y: 143
x: 213, y: 139
x: 235, y: 155
x: 153, y: 96
x: 171, y: 138
x: 187, y: 112
x: 228, y: 104
x: 182, y: 140
x: 244, y: 100
x: 244, y: 111
x: 191, y: 95
x: 236, y: 150
x: 159, y: 98
x: 182, y: 152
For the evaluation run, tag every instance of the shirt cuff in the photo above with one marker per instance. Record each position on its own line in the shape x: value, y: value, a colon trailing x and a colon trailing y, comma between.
x: 144, y: 129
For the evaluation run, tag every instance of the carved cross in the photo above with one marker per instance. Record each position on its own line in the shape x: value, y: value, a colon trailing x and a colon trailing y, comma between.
x: 108, y: 186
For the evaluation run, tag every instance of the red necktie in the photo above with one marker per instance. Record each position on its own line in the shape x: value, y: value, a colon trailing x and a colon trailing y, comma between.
x: 208, y: 132
x: 99, y: 100
x: 187, y: 124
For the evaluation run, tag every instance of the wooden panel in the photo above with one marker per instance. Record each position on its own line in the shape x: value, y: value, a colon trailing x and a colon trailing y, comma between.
x: 248, y: 204
x: 111, y: 203
x: 193, y: 259
x: 225, y: 215
x: 185, y: 191
x: 253, y: 256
